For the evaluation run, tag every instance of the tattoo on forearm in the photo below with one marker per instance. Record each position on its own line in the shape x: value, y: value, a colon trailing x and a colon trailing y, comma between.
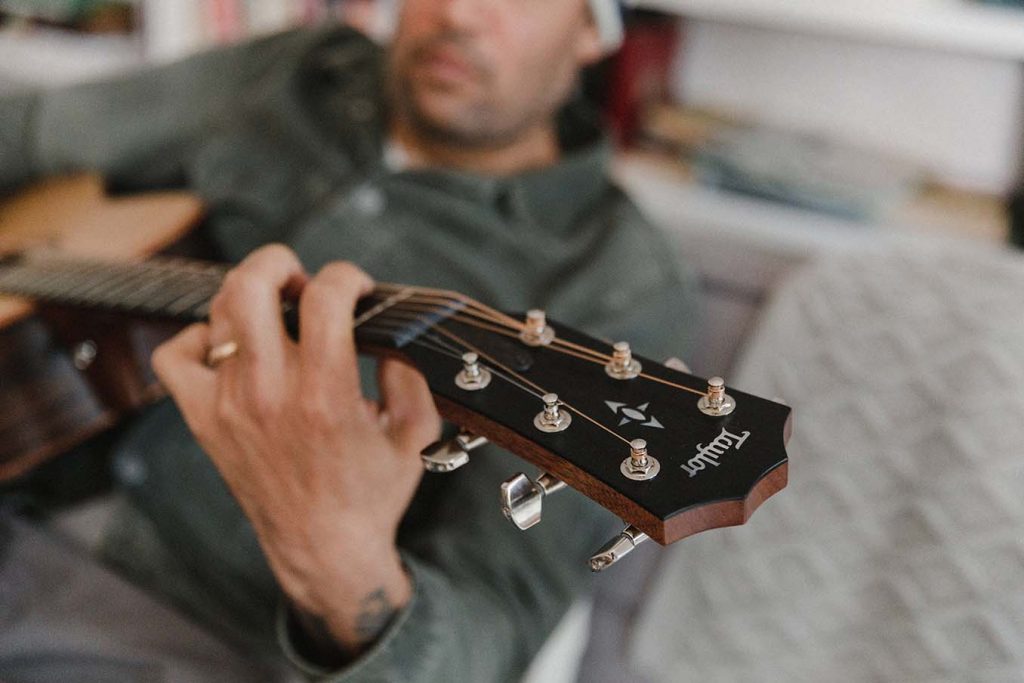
x: 375, y: 613
x: 319, y: 645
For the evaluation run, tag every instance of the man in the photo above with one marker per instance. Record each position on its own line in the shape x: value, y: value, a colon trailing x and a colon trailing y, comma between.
x: 469, y: 174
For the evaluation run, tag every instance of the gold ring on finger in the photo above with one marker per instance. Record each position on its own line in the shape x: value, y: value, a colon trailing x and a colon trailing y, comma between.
x: 220, y: 353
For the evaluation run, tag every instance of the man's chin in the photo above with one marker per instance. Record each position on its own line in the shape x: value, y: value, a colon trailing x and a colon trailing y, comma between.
x: 445, y: 120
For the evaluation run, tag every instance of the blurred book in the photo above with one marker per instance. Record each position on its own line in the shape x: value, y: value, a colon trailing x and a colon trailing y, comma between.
x: 806, y: 171
x: 84, y: 16
x: 737, y: 157
x: 785, y: 166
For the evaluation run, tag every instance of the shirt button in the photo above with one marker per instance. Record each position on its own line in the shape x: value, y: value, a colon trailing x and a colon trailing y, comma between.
x: 130, y: 470
x: 368, y: 200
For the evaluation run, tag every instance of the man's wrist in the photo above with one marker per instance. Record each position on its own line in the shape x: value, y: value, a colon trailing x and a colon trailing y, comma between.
x: 353, y: 611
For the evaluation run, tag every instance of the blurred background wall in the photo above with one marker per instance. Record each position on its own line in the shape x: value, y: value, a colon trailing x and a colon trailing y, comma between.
x: 756, y: 131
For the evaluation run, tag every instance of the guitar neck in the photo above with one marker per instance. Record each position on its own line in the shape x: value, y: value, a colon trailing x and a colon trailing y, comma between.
x: 181, y: 290
x: 177, y: 289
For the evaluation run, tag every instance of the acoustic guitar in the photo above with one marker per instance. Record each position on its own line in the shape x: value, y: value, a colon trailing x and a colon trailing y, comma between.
x: 670, y: 453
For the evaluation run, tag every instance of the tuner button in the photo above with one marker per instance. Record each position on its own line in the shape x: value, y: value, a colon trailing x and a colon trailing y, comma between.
x: 716, y: 402
x: 617, y: 548
x: 552, y: 418
x: 448, y: 456
x: 522, y: 498
x: 622, y: 364
x: 472, y: 377
x: 536, y: 331
x: 640, y: 466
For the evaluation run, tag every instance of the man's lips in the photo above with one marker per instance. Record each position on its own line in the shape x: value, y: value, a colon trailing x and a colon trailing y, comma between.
x: 448, y: 64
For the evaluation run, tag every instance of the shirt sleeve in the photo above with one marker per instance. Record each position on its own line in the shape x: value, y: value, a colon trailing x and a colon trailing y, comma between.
x: 139, y: 127
x: 485, y: 595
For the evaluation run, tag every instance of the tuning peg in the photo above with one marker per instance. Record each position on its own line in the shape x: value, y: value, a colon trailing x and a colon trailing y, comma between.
x: 536, y: 331
x: 447, y: 456
x: 622, y: 364
x: 522, y: 498
x: 716, y: 402
x: 472, y: 377
x: 552, y: 419
x: 617, y: 548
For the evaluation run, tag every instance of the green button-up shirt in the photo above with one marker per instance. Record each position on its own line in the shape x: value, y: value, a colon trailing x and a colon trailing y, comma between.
x: 283, y: 138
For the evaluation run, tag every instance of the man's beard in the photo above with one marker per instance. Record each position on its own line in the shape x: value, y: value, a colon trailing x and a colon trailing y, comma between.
x: 478, y: 126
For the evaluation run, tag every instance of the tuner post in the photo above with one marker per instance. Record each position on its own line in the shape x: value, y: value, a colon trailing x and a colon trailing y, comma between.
x: 640, y: 466
x: 552, y: 418
x: 622, y: 364
x: 536, y: 331
x: 472, y: 377
x: 617, y: 548
x: 716, y: 402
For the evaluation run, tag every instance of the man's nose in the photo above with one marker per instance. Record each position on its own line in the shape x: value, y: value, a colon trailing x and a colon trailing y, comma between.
x: 466, y: 14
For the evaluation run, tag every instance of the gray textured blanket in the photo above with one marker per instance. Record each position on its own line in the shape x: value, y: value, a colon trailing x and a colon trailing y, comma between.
x: 897, y: 552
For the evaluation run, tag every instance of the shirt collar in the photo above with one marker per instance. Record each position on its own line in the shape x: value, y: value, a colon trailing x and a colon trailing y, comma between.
x: 551, y: 197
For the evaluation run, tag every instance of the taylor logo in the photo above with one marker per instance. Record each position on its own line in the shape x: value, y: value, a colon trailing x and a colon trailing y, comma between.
x: 709, y: 455
x: 638, y: 414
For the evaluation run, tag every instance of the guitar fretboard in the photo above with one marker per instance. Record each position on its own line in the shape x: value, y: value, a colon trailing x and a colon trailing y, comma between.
x: 180, y: 289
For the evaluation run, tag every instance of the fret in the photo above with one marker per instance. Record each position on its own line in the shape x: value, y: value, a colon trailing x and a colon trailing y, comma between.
x: 202, y: 311
x: 42, y: 282
x: 188, y: 302
x: 100, y: 289
x: 184, y: 306
x: 90, y: 278
x: 164, y: 286
x: 116, y: 294
x: 170, y: 287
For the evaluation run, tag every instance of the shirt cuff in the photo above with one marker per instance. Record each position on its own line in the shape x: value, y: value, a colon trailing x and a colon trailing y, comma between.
x: 378, y: 656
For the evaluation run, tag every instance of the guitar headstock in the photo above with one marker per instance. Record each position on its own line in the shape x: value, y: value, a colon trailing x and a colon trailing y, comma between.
x: 669, y: 453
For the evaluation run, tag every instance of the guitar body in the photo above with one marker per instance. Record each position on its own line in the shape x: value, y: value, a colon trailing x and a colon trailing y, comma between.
x: 68, y: 374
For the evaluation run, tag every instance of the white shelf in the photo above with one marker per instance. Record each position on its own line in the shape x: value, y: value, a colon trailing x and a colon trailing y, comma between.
x: 949, y: 25
x: 50, y: 58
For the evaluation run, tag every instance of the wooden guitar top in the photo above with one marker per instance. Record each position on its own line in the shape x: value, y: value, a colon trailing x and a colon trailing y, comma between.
x: 74, y: 215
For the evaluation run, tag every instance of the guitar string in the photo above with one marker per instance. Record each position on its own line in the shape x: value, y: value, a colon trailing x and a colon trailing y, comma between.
x: 424, y: 294
x: 516, y: 325
x: 556, y: 349
x: 439, y: 345
x: 491, y: 328
x: 500, y: 318
x: 416, y: 305
x: 493, y: 361
x: 414, y: 295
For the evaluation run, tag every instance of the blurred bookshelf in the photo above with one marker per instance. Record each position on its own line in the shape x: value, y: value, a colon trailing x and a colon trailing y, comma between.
x: 981, y: 29
x: 55, y: 42
x: 743, y: 176
x: 752, y: 135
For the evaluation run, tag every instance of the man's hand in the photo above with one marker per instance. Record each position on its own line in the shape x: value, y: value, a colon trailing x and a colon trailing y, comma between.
x: 323, y: 474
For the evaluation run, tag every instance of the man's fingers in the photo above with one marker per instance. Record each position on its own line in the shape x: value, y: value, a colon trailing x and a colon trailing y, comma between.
x: 180, y: 364
x: 326, y: 337
x: 413, y: 422
x: 247, y: 310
